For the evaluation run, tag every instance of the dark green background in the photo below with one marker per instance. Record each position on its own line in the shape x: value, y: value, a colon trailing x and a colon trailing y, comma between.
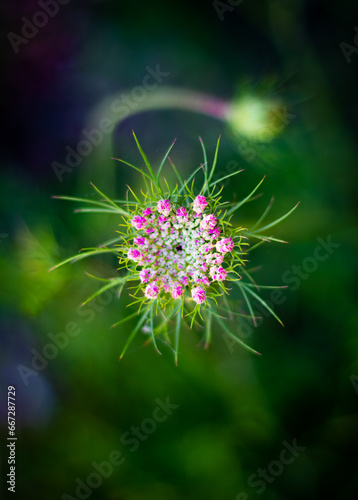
x: 235, y: 410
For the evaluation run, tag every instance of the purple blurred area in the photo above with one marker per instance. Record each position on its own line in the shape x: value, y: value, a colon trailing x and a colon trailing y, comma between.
x: 34, y: 394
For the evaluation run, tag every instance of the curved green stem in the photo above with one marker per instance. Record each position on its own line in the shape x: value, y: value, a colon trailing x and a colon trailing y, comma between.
x: 113, y: 110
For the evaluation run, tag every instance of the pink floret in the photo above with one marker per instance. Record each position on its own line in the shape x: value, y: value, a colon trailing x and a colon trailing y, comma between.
x: 225, y: 245
x: 208, y: 222
x: 215, y: 232
x: 218, y: 273
x: 151, y: 291
x: 198, y: 294
x: 134, y: 254
x: 139, y: 241
x: 144, y: 275
x: 139, y: 222
x: 200, y: 204
x: 204, y: 281
x: 164, y: 207
x: 177, y: 291
x: 182, y: 215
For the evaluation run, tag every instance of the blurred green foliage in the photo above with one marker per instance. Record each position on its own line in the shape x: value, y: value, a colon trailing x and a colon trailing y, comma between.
x: 235, y: 410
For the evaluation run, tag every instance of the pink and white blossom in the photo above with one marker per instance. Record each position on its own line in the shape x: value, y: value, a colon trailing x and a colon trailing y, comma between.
x: 215, y: 232
x: 218, y: 258
x: 139, y: 222
x: 204, y: 281
x: 199, y: 204
x: 181, y: 250
x: 177, y: 291
x: 134, y: 254
x: 225, y: 245
x: 144, y: 275
x: 218, y: 273
x: 164, y: 207
x: 140, y: 241
x: 182, y: 214
x: 151, y: 291
x: 198, y: 294
x: 208, y: 222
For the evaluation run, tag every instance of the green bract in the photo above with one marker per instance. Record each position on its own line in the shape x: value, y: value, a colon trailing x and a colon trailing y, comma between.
x: 180, y: 254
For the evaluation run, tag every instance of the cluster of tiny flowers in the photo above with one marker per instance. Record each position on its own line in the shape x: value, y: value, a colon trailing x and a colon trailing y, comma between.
x: 179, y: 248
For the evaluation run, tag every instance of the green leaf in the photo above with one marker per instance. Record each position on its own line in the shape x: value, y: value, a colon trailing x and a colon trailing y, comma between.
x: 262, y: 287
x: 190, y: 178
x: 152, y: 176
x: 223, y: 178
x: 127, y: 318
x: 177, y: 334
x: 114, y: 282
x: 83, y: 255
x: 135, y: 196
x: 245, y: 200
x: 277, y: 221
x: 176, y: 173
x: 215, y: 160
x: 164, y: 160
x: 263, y: 216
x: 208, y: 330
x: 205, y: 164
x: 151, y: 319
x: 84, y: 200
x: 168, y: 187
x: 126, y: 202
x: 263, y: 238
x: 110, y: 242
x: 248, y: 276
x: 133, y: 166
x: 108, y: 199
x: 133, y: 334
x: 98, y: 210
x: 239, y: 341
x: 97, y: 277
x: 239, y: 314
x: 247, y: 302
x: 259, y: 299
x: 250, y: 249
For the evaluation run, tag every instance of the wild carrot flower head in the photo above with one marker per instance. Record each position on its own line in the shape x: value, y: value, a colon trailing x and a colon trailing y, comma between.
x: 178, y: 252
x: 183, y: 253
